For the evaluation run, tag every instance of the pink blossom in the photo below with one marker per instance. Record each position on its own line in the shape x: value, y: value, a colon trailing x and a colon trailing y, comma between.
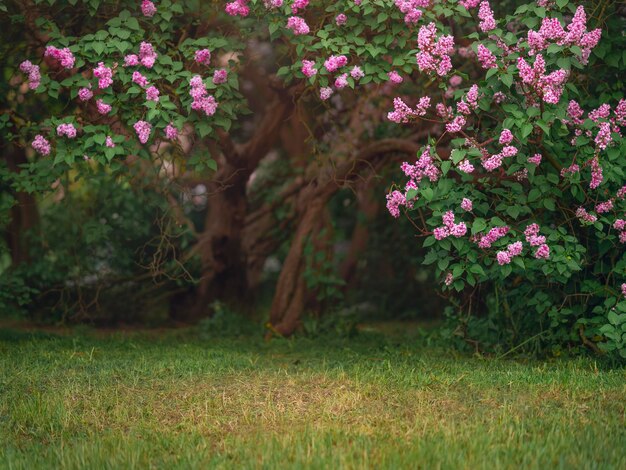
x: 67, y: 130
x: 298, y: 25
x: 34, y: 76
x: 543, y: 252
x: 85, y: 94
x: 334, y: 62
x: 171, y: 132
x: 395, y: 77
x: 486, y: 58
x: 220, y: 76
x: 139, y: 79
x: 308, y: 68
x: 64, y: 56
x: 535, y: 159
x: 152, y: 94
x: 238, y: 8
x: 147, y: 8
x: 466, y: 204
x: 143, y: 130
x: 503, y: 258
x: 103, y: 108
x: 147, y: 55
x: 515, y: 249
x: 485, y: 14
x: 41, y: 145
x: 325, y: 93
x: 585, y: 216
x: 356, y: 73
x: 109, y: 142
x: 202, y: 101
x: 456, y: 125
x: 131, y: 60
x: 341, y: 81
x: 298, y: 5
x: 341, y: 19
x: 465, y: 166
x: 394, y: 201
x: 203, y: 56
x: 619, y: 224
x: 506, y: 137
x: 104, y: 74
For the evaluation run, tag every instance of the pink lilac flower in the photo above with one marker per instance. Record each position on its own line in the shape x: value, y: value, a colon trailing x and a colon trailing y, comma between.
x: 450, y: 278
x: 503, y: 258
x: 395, y: 77
x: 486, y: 58
x: 585, y: 216
x: 139, y: 79
x: 535, y: 159
x: 465, y: 166
x: 596, y: 174
x: 203, y: 56
x: 41, y: 145
x: 131, y: 60
x: 455, y: 80
x: 148, y: 9
x: 602, y: 112
x: 543, y: 252
x: 297, y: 25
x: 509, y: 151
x: 605, y: 206
x: 341, y: 19
x: 308, y: 68
x: 341, y: 81
x: 299, y: 5
x: 85, y: 94
x: 506, y: 137
x: 64, y: 56
x: 624, y: 289
x: 441, y: 232
x: 67, y: 130
x: 109, y: 142
x: 620, y: 112
x: 171, y: 132
x: 603, y: 138
x: 143, y: 130
x: 325, y: 93
x: 147, y: 55
x: 493, y: 162
x: 238, y: 8
x: 34, y: 75
x: 356, y: 73
x: 104, y: 75
x: 103, y: 108
x: 456, y: 125
x: 469, y: 3
x: 434, y: 53
x: 334, y: 62
x: 202, y: 101
x: 619, y: 224
x: 492, y: 236
x: 458, y: 230
x: 152, y: 94
x: 466, y: 204
x: 485, y: 14
x: 394, y: 201
x: 515, y: 249
x: 220, y: 76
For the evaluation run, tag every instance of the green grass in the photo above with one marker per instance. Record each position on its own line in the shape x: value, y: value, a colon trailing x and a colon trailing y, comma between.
x: 144, y: 401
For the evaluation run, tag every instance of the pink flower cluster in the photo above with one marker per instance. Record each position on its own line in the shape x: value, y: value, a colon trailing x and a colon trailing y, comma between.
x: 64, y: 56
x: 467, y: 205
x: 297, y: 25
x: 512, y: 250
x: 403, y: 113
x: 238, y: 8
x: 220, y: 76
x: 547, y: 87
x: 103, y: 108
x: 486, y: 58
x: 394, y: 77
x: 299, y: 5
x: 41, y: 145
x: 412, y: 14
x: 450, y: 228
x: 34, y: 76
x: 341, y: 19
x: 335, y: 62
x: 67, y: 130
x: 395, y: 200
x: 85, y: 94
x: 357, y: 73
x: 203, y: 56
x: 424, y: 167
x: 325, y: 93
x: 552, y: 32
x: 147, y: 55
x: 148, y: 9
x: 202, y: 101
x: 534, y: 239
x: 469, y: 102
x: 308, y: 68
x: 485, y: 15
x: 152, y: 93
x: 584, y: 216
x: 143, y: 130
x: 495, y: 234
x: 171, y: 132
x: 434, y: 54
x: 104, y: 75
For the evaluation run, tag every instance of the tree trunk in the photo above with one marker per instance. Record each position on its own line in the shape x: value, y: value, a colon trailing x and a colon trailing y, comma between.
x: 24, y: 214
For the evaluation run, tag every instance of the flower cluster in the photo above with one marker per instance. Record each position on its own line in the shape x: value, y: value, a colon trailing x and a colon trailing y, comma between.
x: 547, y: 87
x: 67, y: 130
x: 202, y: 101
x: 297, y: 25
x: 434, y: 53
x: 64, y: 56
x: 104, y: 75
x: 450, y: 228
x: 34, y: 76
x: 143, y: 130
x: 41, y: 145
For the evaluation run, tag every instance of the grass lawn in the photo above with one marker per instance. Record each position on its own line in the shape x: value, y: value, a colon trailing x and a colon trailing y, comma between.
x: 179, y: 401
